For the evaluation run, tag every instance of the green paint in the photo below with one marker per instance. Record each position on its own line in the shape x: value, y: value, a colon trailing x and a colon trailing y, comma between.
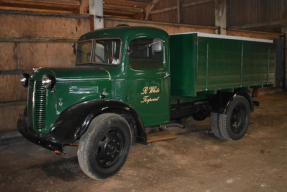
x: 199, y: 66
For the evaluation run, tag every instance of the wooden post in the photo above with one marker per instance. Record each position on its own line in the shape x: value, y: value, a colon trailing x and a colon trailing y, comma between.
x: 178, y: 11
x: 220, y: 15
x: 96, y: 14
x: 284, y: 30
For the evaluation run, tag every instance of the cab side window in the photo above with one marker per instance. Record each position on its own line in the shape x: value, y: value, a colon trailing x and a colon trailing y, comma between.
x: 143, y: 56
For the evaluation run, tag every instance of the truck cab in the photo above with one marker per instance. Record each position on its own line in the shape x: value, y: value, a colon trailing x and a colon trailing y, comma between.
x: 122, y: 72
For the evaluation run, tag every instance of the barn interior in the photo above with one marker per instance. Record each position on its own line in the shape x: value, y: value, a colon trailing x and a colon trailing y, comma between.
x: 41, y: 33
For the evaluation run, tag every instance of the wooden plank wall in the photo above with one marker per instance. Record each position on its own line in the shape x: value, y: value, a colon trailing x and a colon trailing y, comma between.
x: 243, y: 12
x: 192, y: 15
x: 30, y: 40
x: 170, y: 28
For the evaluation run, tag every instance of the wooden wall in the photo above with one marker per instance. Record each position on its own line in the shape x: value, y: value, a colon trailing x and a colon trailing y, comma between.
x: 30, y: 40
x: 200, y: 14
x: 244, y: 12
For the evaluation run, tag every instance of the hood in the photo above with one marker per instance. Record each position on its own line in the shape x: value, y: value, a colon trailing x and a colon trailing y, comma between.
x: 73, y: 73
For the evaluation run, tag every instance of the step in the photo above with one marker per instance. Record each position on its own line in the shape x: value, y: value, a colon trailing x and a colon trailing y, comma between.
x: 160, y: 136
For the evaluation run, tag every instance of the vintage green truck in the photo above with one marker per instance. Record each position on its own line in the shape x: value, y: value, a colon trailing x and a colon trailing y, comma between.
x: 129, y: 78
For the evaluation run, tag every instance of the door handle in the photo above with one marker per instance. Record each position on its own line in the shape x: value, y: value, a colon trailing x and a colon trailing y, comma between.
x: 166, y: 75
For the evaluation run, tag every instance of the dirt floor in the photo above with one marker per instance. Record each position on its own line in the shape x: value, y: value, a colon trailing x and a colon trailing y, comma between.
x: 195, y: 161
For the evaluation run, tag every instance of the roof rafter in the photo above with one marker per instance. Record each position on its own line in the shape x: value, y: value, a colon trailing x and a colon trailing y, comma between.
x: 150, y: 7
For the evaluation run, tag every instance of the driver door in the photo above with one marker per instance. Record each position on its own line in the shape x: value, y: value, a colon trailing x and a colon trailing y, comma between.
x: 148, y: 81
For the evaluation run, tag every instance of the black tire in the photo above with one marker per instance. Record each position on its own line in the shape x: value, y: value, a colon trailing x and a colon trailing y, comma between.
x: 234, y: 124
x: 214, y: 118
x: 104, y: 147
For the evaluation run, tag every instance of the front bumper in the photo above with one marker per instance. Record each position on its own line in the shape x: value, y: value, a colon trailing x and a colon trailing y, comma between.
x: 44, y: 140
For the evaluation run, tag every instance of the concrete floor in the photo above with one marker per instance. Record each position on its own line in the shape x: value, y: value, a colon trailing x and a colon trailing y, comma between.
x: 195, y: 161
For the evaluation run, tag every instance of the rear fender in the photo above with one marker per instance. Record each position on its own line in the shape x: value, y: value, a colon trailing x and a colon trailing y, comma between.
x: 73, y: 122
x: 221, y: 101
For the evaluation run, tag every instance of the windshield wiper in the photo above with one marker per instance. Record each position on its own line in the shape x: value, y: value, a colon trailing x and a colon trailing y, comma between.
x: 142, y: 47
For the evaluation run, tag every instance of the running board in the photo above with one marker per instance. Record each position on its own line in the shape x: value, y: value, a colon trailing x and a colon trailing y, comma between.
x: 160, y: 136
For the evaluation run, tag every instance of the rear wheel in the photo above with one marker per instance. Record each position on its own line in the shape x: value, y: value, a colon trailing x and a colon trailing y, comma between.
x: 105, y: 146
x: 214, y: 118
x: 234, y: 124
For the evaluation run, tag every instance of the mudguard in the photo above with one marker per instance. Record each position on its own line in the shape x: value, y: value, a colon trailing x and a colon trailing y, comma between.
x: 220, y: 102
x: 73, y: 122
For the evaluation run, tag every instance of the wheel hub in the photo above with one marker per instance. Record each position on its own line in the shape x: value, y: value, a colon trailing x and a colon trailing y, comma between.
x: 109, y: 147
x: 238, y: 119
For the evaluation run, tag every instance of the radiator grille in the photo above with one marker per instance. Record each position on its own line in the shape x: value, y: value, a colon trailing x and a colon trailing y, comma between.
x: 30, y: 103
x: 40, y: 106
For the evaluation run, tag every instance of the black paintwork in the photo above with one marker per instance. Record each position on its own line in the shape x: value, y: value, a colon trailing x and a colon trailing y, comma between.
x: 44, y: 140
x: 73, y: 122
x: 220, y: 102
x: 181, y: 110
x: 216, y: 103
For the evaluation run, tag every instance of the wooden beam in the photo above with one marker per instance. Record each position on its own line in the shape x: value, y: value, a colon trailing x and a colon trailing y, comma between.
x: 253, y: 34
x: 84, y: 7
x: 123, y: 8
x: 141, y: 1
x: 178, y: 11
x: 13, y: 103
x: 163, y: 10
x: 37, y: 5
x: 36, y: 40
x: 9, y: 8
x: 196, y: 3
x: 284, y: 64
x: 42, y: 2
x: 133, y: 22
x: 43, y: 14
x: 254, y: 25
x: 149, y: 8
x: 183, y: 5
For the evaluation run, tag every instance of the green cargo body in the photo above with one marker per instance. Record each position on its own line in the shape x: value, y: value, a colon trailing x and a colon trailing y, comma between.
x: 205, y: 63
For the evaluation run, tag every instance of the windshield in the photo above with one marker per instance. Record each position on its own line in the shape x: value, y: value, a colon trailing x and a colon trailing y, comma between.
x: 105, y: 51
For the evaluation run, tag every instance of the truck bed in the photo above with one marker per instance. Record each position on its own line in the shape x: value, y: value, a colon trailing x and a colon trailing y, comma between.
x: 207, y: 63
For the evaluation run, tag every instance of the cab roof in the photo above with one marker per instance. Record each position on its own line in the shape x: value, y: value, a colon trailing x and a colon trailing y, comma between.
x: 124, y: 31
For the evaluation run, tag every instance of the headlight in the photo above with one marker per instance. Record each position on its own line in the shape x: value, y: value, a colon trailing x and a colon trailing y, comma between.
x: 25, y: 79
x: 48, y: 81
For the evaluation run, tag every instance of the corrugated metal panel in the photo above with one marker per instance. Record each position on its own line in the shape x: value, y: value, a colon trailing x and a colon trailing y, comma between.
x: 242, y: 12
x: 201, y: 14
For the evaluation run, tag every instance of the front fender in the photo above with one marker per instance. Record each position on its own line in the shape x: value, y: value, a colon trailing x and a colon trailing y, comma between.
x: 73, y: 122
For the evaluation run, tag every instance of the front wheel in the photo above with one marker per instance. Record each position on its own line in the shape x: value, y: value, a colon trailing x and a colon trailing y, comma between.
x: 104, y: 147
x: 234, y: 124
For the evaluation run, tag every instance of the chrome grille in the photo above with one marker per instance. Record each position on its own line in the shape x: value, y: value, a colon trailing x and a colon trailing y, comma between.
x: 30, y: 103
x: 39, y: 106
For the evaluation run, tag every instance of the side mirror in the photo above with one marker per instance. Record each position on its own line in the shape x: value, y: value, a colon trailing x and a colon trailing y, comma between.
x: 157, y: 46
